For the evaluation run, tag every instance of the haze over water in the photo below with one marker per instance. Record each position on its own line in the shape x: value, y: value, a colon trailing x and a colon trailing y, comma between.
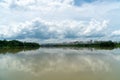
x: 60, y: 64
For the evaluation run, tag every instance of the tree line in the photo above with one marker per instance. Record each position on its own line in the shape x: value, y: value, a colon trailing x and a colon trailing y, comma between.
x: 17, y: 44
x: 95, y: 44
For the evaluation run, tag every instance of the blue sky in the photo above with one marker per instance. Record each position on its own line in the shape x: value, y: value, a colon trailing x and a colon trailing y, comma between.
x: 60, y: 20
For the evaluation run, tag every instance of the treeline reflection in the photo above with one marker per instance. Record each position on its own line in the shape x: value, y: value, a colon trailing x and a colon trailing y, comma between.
x: 15, y: 50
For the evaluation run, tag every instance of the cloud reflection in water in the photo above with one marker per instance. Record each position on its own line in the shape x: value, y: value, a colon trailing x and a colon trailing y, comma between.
x: 43, y: 61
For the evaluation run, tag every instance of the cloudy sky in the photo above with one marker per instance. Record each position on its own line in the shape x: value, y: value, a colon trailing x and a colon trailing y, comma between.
x: 60, y: 20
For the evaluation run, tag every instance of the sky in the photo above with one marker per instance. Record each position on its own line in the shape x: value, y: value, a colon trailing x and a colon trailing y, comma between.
x: 60, y: 20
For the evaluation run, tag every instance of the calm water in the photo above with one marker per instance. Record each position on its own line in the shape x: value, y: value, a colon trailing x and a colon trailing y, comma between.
x: 60, y: 64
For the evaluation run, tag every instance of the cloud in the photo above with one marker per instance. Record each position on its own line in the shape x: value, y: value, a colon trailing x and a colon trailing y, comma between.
x: 58, y: 19
x: 42, y: 29
x: 24, y: 10
x: 62, y: 6
x: 36, y: 4
x: 116, y: 33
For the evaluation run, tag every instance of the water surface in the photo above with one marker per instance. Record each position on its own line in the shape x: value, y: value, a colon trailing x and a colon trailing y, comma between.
x: 60, y: 64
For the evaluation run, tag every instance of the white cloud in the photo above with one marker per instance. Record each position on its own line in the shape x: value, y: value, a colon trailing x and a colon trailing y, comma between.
x: 42, y: 29
x: 116, y: 33
x: 63, y: 7
x: 36, y: 4
x: 95, y: 27
x: 59, y: 18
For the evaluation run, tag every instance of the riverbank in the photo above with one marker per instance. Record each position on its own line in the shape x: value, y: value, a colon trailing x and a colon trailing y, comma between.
x: 90, y: 44
x: 17, y: 44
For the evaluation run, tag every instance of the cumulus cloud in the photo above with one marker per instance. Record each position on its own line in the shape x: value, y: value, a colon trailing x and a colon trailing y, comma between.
x: 43, y: 29
x: 36, y: 4
x: 116, y: 33
x: 59, y: 19
x: 64, y: 7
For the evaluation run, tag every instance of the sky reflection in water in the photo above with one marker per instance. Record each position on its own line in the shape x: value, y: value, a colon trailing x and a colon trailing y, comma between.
x: 60, y: 63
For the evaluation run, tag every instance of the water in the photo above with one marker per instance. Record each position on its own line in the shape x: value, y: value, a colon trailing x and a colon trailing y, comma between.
x: 60, y: 64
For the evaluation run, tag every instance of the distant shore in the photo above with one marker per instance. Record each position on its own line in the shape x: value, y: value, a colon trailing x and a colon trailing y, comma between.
x: 87, y: 44
x: 80, y: 44
x: 17, y: 44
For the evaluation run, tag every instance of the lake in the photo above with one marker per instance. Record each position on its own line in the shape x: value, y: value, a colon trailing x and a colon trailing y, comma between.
x: 60, y: 64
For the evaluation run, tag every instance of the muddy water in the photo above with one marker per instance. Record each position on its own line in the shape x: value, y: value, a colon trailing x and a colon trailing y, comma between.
x: 61, y: 64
